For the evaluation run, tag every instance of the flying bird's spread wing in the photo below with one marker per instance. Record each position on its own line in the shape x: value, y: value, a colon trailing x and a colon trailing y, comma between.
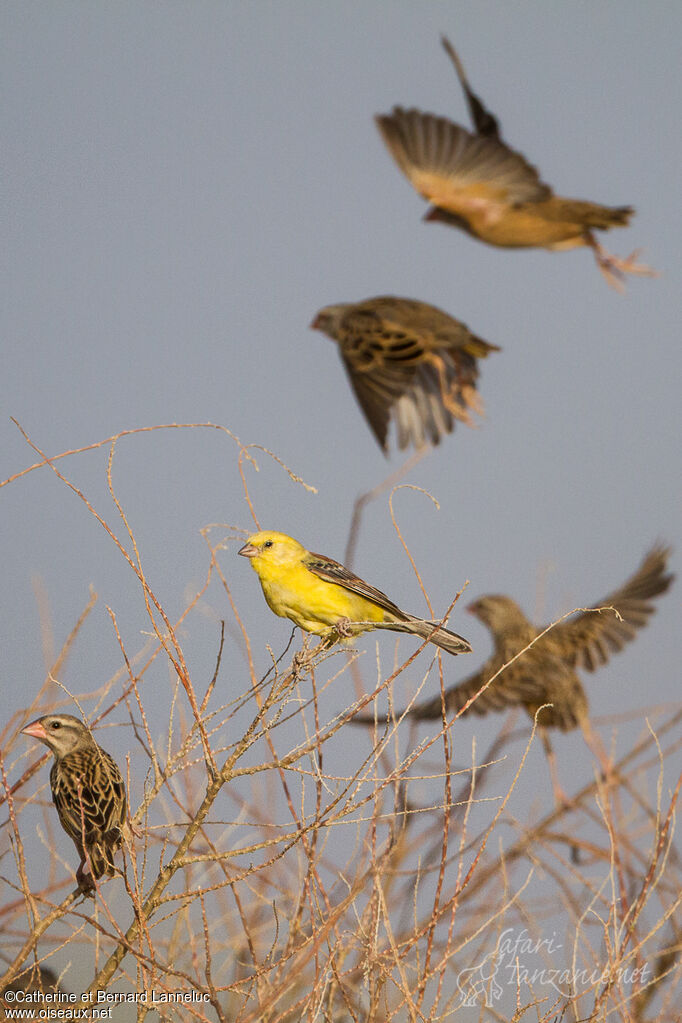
x: 410, y: 359
x: 522, y: 684
x: 484, y: 121
x: 455, y: 170
x: 588, y: 640
x: 526, y: 683
x: 377, y: 394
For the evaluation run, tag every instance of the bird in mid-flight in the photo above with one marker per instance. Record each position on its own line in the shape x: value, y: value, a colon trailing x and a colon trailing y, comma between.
x: 407, y: 361
x: 88, y: 792
x: 476, y: 182
x: 547, y: 672
x: 321, y: 596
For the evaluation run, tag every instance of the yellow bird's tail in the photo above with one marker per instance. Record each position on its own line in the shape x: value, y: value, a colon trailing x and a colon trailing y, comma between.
x: 434, y: 632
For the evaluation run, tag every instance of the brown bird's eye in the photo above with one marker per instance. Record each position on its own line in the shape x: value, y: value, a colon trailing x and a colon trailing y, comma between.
x: 55, y: 725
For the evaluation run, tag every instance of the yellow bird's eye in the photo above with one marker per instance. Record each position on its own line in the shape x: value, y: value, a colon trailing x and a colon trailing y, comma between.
x: 268, y: 543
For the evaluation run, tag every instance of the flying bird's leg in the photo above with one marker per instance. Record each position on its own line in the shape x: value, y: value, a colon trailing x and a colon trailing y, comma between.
x: 595, y: 746
x: 560, y: 797
x: 454, y: 407
x: 484, y: 122
x: 473, y: 399
x: 615, y: 268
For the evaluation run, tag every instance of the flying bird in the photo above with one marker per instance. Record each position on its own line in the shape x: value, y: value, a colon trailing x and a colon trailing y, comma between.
x: 88, y: 792
x: 476, y: 182
x: 321, y: 596
x: 547, y: 672
x: 407, y: 361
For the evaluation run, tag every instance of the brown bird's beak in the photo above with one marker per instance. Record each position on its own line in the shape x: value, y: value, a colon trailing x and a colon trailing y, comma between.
x: 248, y: 551
x: 36, y: 730
x: 436, y: 215
x: 316, y: 325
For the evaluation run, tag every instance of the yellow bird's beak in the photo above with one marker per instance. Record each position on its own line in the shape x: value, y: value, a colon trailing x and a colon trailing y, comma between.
x: 248, y: 551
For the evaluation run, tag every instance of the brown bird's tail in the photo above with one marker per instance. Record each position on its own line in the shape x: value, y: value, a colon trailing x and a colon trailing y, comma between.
x: 479, y: 348
x: 431, y: 631
x: 592, y: 215
x: 101, y: 853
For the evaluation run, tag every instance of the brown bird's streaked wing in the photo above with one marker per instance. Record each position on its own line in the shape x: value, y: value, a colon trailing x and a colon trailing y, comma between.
x: 588, y: 640
x: 377, y: 393
x: 332, y: 572
x: 411, y: 360
x: 381, y: 358
x: 456, y: 170
x: 518, y: 685
x: 484, y: 122
x: 90, y: 798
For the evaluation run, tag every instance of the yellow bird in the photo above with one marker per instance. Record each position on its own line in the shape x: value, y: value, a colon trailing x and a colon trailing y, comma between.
x: 321, y: 596
x: 476, y: 182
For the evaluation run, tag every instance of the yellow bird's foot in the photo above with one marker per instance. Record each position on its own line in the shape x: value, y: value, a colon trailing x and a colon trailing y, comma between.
x: 343, y: 628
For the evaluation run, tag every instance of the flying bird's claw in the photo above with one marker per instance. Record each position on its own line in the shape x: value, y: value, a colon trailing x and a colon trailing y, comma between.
x: 615, y: 268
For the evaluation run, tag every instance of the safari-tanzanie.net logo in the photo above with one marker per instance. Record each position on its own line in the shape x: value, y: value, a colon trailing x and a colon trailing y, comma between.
x: 521, y: 960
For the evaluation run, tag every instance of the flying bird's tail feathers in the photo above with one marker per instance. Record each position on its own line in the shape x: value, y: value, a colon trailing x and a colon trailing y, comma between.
x: 479, y: 348
x: 592, y: 214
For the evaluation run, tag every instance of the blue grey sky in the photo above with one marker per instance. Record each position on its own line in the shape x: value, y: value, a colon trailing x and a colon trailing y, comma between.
x: 187, y: 184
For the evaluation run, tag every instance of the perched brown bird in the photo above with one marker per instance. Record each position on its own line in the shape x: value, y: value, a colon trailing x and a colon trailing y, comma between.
x: 88, y: 791
x: 546, y: 673
x: 407, y: 360
x: 474, y: 181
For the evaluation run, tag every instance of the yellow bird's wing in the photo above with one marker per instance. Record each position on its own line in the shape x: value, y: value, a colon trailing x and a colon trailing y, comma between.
x: 332, y: 572
x: 588, y: 639
x: 456, y: 170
